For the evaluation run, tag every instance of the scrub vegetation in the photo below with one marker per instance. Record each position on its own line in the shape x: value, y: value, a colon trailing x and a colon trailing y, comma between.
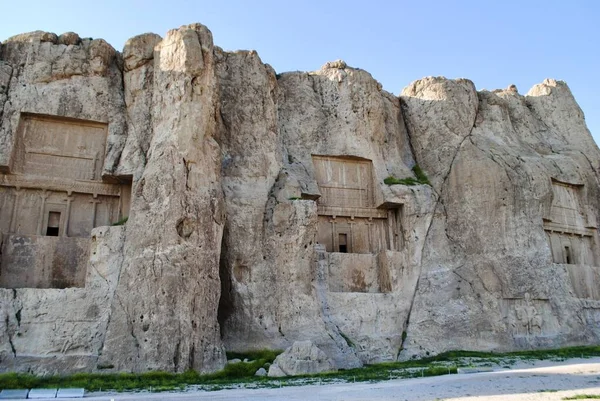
x: 421, y: 178
x: 241, y: 374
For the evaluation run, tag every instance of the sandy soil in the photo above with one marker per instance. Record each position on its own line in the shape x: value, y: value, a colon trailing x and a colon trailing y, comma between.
x: 542, y: 380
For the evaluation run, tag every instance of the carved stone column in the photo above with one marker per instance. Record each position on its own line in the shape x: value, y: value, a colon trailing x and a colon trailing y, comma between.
x: 334, y: 239
x: 350, y: 246
x: 40, y: 224
x: 65, y: 230
x: 369, y: 224
x: 95, y: 202
x: 390, y: 231
x: 13, y: 218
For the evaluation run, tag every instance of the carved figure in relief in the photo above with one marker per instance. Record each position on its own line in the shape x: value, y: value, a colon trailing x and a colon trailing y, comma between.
x: 530, y: 319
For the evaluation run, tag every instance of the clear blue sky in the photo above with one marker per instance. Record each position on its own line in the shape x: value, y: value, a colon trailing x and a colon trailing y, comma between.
x: 495, y: 43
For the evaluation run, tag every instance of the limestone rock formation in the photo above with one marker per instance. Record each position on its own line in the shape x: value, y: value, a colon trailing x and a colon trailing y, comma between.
x: 515, y: 226
x: 302, y: 358
x: 255, y: 210
x: 177, y: 211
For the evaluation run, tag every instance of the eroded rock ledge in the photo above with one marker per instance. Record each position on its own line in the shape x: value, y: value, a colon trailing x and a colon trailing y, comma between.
x: 258, y: 214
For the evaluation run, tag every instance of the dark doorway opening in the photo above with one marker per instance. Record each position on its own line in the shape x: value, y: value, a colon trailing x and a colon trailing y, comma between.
x: 53, y: 224
x: 343, y: 243
x: 568, y: 257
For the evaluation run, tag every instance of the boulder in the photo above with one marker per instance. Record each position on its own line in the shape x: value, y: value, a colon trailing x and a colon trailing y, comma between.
x: 302, y: 358
x: 69, y: 38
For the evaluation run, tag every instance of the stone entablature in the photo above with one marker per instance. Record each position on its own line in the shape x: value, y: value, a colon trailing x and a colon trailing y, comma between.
x: 59, y: 185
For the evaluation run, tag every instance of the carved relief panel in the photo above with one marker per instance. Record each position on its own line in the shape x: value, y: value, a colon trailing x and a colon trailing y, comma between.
x: 67, y: 149
x: 567, y: 212
x: 344, y: 182
x: 529, y: 317
x: 591, y: 312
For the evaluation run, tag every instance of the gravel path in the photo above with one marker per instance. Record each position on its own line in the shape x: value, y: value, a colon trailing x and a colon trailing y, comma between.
x: 542, y: 380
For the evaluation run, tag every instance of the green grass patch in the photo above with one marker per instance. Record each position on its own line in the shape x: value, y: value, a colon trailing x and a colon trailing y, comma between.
x: 157, y: 381
x: 563, y: 353
x: 400, y: 181
x: 256, y: 360
x: 243, y: 372
x: 421, y: 178
x: 583, y: 397
x: 121, y: 222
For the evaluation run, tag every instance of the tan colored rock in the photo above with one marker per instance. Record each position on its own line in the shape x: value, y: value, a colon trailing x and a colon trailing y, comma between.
x: 339, y: 64
x: 138, y: 80
x: 488, y: 257
x: 102, y: 55
x: 440, y: 114
x: 35, y: 36
x: 50, y: 79
x: 302, y: 358
x: 176, y: 328
x: 69, y: 39
x: 49, y: 331
x: 139, y: 50
x: 273, y: 273
x: 259, y: 215
x: 5, y: 75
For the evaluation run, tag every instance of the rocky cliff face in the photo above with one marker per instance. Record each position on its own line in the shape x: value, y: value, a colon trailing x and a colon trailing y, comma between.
x: 266, y: 209
x: 487, y: 256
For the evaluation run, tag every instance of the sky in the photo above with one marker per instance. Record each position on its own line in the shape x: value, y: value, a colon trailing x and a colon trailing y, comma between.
x: 495, y: 43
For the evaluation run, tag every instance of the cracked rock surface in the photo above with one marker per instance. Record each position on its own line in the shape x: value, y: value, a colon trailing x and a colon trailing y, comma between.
x: 220, y: 249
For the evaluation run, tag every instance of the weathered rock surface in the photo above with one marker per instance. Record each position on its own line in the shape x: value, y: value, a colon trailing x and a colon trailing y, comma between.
x: 83, y: 81
x: 66, y: 326
x: 138, y: 82
x: 487, y: 256
x: 233, y: 174
x: 302, y: 358
x: 179, y: 193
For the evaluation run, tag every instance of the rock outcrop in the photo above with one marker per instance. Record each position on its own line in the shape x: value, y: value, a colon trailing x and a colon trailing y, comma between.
x: 487, y: 255
x: 302, y: 358
x: 264, y: 209
x: 178, y: 206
